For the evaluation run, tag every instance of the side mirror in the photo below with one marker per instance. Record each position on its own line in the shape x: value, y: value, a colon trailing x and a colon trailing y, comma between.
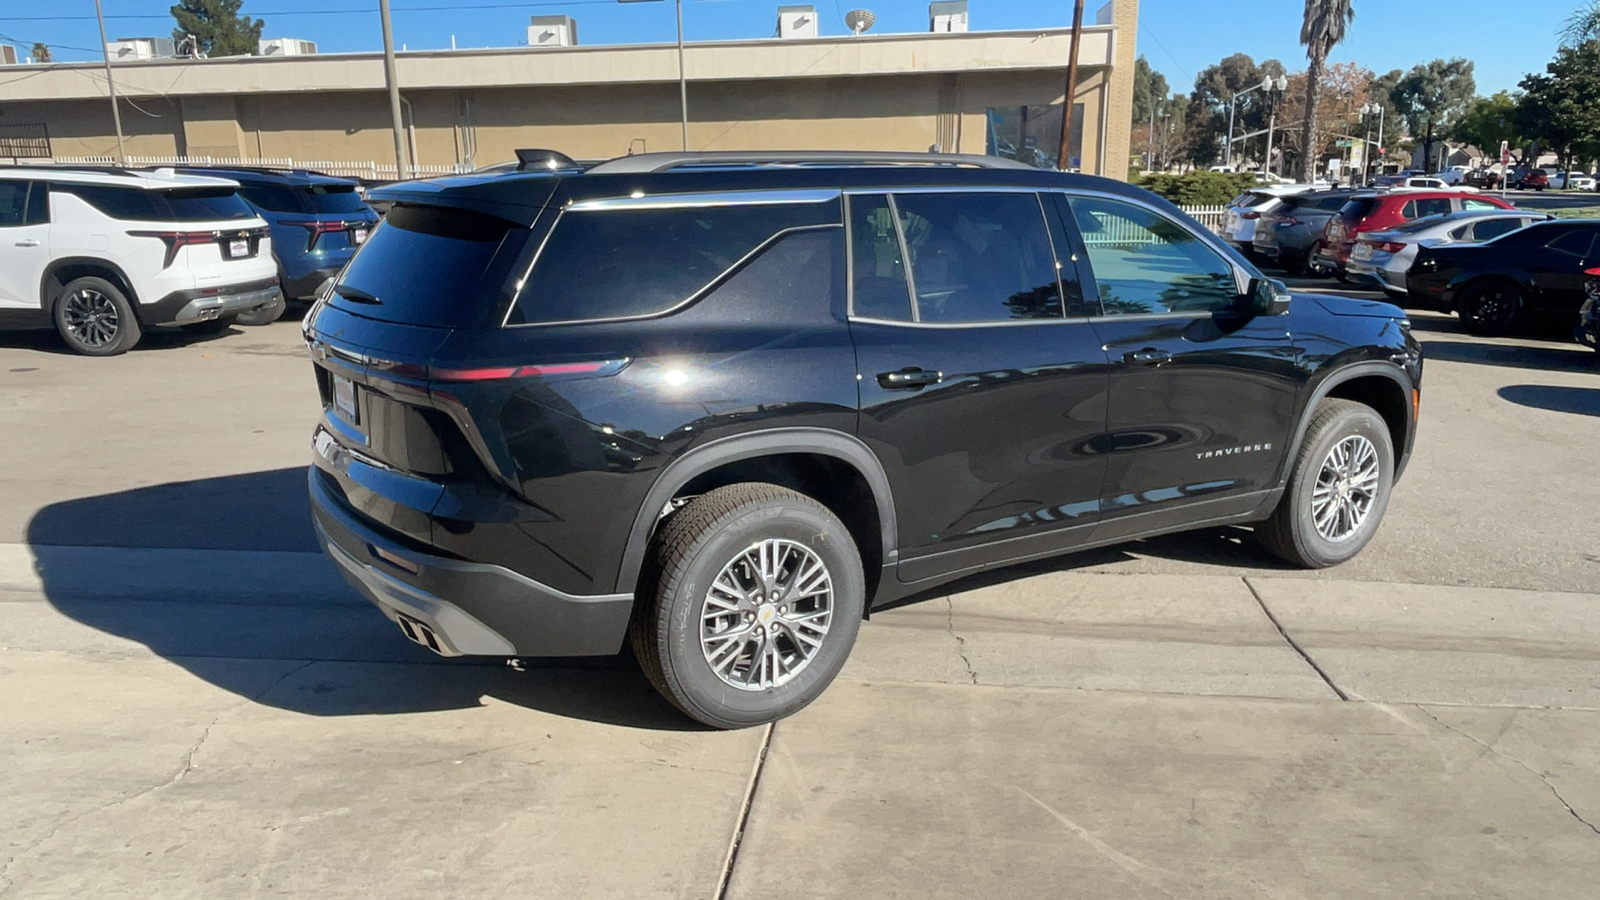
x: 1268, y: 297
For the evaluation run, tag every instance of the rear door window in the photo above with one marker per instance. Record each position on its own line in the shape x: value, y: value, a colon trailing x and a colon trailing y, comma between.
x: 979, y: 257
x: 431, y: 265
x: 1493, y: 228
x: 624, y: 261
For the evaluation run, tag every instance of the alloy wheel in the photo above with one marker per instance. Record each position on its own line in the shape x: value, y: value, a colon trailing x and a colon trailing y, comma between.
x: 91, y: 317
x: 1347, y: 488
x: 766, y: 615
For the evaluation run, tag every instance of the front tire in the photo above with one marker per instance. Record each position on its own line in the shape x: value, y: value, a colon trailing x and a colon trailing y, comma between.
x: 94, y: 318
x: 1489, y: 308
x: 1339, y: 488
x: 751, y: 606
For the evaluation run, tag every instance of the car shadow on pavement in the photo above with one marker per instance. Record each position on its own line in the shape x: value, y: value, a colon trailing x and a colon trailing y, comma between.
x: 271, y: 620
x: 1571, y: 358
x: 1577, y: 401
x: 47, y: 341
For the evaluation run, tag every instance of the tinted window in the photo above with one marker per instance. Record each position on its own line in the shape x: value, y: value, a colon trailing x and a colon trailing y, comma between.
x: 1332, y: 204
x: 879, y: 290
x: 793, y: 276
x: 1494, y: 228
x: 1355, y: 210
x: 1573, y: 243
x: 335, y: 198
x: 621, y: 262
x: 431, y: 265
x: 39, y: 204
x: 1146, y: 263
x: 979, y: 257
x: 187, y: 205
x: 1417, y: 209
x: 273, y: 198
x: 13, y: 202
x: 315, y: 199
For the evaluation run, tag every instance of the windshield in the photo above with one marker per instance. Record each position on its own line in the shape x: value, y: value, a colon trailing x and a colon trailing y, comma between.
x: 1356, y: 210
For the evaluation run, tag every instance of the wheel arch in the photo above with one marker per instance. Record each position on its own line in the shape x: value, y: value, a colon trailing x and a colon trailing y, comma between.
x: 1519, y: 279
x: 737, y: 455
x: 63, y: 271
x: 1384, y: 387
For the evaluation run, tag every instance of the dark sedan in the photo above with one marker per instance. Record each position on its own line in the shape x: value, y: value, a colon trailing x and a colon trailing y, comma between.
x: 1489, y: 284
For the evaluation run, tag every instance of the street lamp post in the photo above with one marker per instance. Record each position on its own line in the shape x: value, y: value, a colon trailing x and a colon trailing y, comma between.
x: 1274, y: 97
x: 683, y: 82
x: 1266, y: 84
x: 1367, y: 112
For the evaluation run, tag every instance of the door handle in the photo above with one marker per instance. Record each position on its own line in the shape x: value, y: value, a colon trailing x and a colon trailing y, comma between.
x: 909, y: 378
x: 30, y: 242
x: 1149, y: 356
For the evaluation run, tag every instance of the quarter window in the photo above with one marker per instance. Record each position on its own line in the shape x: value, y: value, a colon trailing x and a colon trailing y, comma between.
x: 621, y: 262
x: 1146, y: 263
x: 1494, y: 228
x: 979, y: 257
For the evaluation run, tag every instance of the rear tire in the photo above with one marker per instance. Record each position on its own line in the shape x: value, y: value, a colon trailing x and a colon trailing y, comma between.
x: 1313, y: 268
x: 264, y: 315
x: 730, y: 562
x: 1338, y: 490
x: 1489, y: 308
x: 95, y: 319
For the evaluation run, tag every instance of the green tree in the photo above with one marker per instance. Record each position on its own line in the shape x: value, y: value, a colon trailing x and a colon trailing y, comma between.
x: 1214, y: 91
x: 1488, y: 122
x: 1149, y: 90
x: 41, y: 53
x: 1323, y: 29
x: 217, y: 26
x: 1432, y: 97
x: 1561, y: 108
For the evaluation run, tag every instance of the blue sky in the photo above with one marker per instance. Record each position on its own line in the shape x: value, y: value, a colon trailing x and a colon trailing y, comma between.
x: 1180, y: 37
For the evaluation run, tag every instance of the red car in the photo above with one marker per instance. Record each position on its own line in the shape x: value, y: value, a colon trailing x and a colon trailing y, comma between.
x: 1381, y: 211
x: 1535, y: 180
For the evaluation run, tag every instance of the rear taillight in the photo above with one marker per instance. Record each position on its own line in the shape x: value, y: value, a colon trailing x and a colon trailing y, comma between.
x: 177, y: 240
x: 1289, y: 222
x: 546, y: 370
x: 316, y: 229
x: 1390, y: 246
x: 1592, y: 286
x: 1251, y: 215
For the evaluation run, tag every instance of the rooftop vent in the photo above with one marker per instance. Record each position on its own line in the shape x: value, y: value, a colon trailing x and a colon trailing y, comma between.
x: 797, y: 22
x: 286, y: 47
x: 947, y: 16
x: 552, y: 31
x: 124, y: 49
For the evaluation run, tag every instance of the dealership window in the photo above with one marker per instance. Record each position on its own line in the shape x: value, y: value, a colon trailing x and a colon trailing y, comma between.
x: 1032, y: 134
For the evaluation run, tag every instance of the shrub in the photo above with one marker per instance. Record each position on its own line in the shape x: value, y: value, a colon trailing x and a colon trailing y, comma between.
x: 1199, y: 188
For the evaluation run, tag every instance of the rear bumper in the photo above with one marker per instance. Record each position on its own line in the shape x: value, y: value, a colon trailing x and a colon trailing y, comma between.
x: 467, y: 608
x: 191, y: 306
x: 309, y: 285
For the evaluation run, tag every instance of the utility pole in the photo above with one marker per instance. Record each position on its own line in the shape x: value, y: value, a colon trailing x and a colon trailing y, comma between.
x: 401, y: 170
x: 1064, y: 158
x: 116, y: 115
x: 683, y: 82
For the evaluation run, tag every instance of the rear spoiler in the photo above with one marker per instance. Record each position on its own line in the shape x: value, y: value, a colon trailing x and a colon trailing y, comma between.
x: 487, y: 196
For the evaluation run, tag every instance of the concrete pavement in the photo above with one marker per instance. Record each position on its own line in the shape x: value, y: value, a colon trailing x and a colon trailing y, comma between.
x: 193, y: 706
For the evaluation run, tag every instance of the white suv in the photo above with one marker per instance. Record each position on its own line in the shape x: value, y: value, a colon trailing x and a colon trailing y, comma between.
x: 102, y: 254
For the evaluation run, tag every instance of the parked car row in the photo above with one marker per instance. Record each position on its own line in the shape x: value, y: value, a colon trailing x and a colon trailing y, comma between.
x: 103, y: 254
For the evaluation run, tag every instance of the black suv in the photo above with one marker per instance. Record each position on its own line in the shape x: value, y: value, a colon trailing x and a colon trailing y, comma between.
x: 723, y: 404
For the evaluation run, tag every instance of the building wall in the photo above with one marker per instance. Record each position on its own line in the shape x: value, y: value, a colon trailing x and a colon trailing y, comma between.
x: 1119, y: 92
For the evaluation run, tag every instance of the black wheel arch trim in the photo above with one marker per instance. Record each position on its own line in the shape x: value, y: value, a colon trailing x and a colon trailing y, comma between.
x: 844, y: 447
x: 47, y: 301
x: 1325, y: 387
x: 1522, y: 280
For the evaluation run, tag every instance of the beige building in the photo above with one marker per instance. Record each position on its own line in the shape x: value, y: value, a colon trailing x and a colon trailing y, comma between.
x: 970, y: 92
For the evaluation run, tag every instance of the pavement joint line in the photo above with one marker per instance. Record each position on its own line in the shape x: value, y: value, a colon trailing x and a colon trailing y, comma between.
x: 1490, y: 748
x: 731, y: 859
x: 1291, y: 641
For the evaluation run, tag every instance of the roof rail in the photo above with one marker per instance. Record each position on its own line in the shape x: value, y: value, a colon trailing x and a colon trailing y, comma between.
x: 647, y: 163
x: 96, y: 170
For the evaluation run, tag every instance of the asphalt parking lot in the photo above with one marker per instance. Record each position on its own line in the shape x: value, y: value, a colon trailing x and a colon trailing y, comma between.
x: 195, y: 706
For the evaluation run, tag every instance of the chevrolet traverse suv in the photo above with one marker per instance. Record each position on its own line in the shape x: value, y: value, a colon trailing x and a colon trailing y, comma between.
x: 721, y: 405
x: 317, y: 222
x: 103, y: 255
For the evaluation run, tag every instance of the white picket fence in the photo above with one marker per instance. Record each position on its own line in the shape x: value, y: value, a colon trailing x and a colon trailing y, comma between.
x: 1209, y: 216
x: 343, y: 168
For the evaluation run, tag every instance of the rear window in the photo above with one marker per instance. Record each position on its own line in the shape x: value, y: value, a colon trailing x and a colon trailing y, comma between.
x: 432, y: 265
x: 137, y: 204
x: 305, y: 199
x: 1355, y: 210
x: 621, y: 262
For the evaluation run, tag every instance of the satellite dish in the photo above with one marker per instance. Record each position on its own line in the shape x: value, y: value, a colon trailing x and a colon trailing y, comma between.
x: 859, y: 20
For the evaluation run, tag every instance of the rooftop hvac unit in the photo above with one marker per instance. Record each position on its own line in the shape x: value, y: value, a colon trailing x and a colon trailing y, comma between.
x: 947, y: 16
x: 8, y: 55
x: 796, y: 22
x: 125, y: 49
x: 552, y: 31
x: 286, y: 47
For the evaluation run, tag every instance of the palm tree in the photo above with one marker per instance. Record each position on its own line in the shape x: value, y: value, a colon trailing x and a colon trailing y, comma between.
x: 1324, y: 27
x: 1583, y: 25
x: 41, y: 53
